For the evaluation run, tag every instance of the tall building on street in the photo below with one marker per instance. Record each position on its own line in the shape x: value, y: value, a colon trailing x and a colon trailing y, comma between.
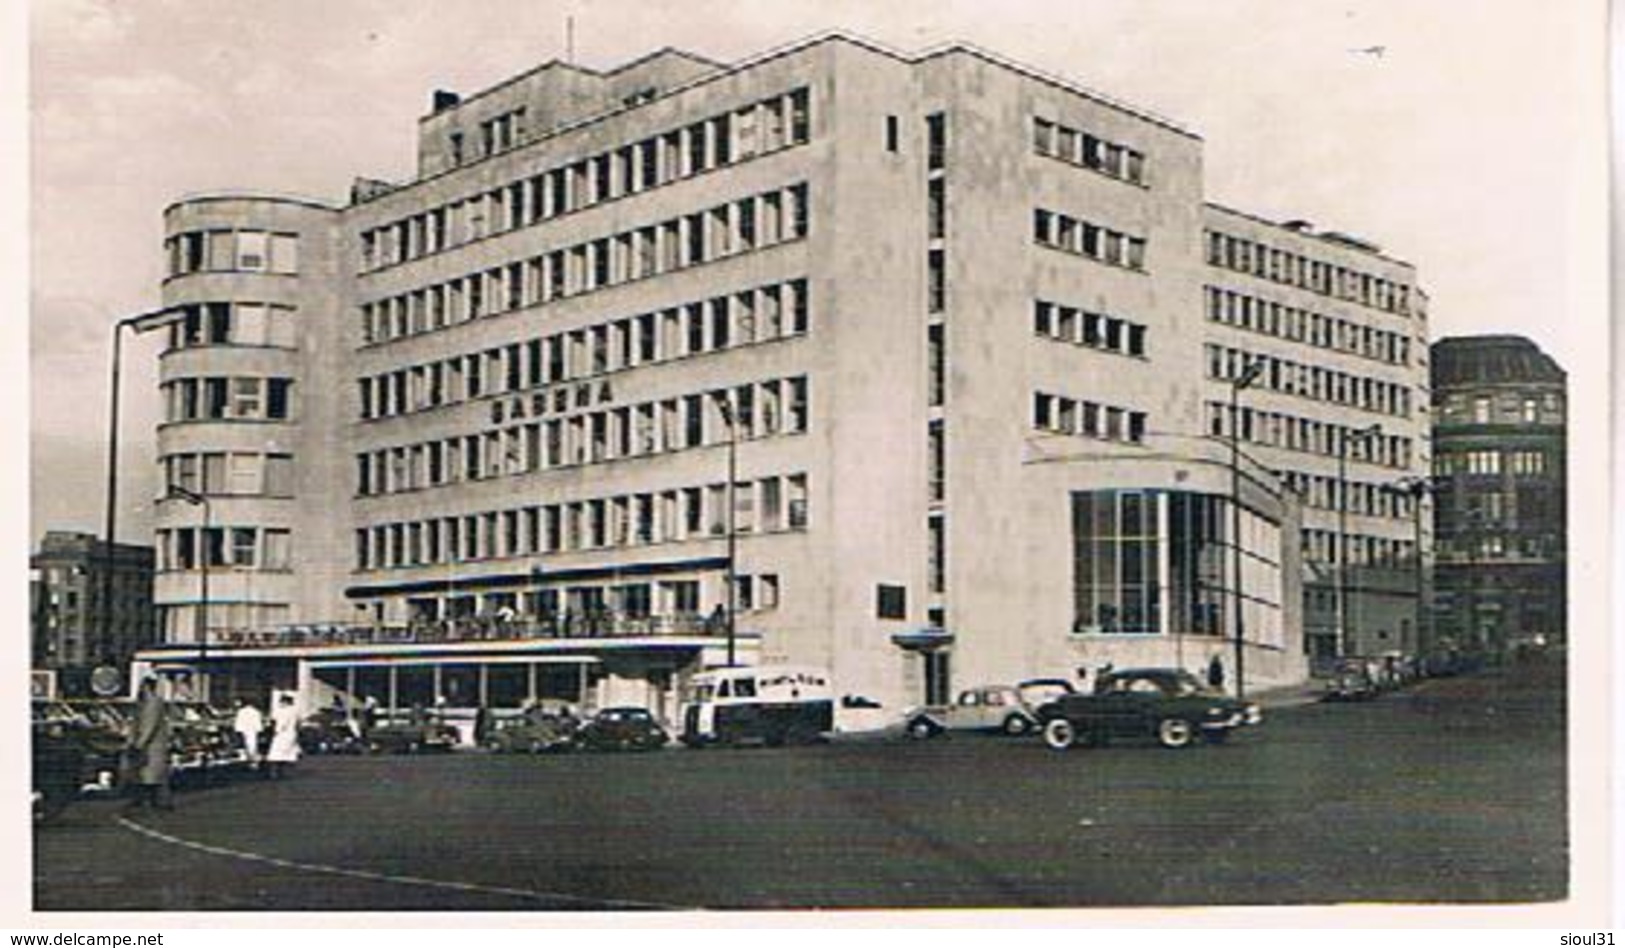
x: 917, y: 367
x: 1500, y: 434
x: 89, y: 609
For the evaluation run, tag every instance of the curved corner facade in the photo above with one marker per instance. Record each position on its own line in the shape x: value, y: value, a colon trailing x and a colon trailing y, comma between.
x: 1500, y: 466
x: 247, y: 418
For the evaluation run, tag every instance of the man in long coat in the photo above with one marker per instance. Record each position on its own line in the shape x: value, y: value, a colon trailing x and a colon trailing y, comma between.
x: 149, y: 742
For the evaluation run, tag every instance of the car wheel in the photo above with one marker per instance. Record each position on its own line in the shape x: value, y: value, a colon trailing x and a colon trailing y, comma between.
x: 922, y: 729
x: 1060, y: 735
x: 1017, y: 724
x: 1175, y: 733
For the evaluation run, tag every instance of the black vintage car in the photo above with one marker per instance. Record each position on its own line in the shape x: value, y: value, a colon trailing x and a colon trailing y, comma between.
x: 331, y: 731
x: 622, y: 729
x: 535, y: 732
x: 59, y: 762
x: 1169, y: 705
x: 413, y: 735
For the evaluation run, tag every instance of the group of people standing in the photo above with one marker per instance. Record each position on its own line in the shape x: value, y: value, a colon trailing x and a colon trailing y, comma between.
x: 283, y: 747
x: 148, y: 748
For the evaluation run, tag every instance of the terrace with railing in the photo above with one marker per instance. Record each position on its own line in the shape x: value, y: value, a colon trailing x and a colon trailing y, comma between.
x: 473, y: 629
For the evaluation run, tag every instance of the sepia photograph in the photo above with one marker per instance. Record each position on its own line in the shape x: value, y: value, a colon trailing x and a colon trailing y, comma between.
x: 591, y: 459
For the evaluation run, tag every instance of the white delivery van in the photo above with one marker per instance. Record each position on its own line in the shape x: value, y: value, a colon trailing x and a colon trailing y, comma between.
x: 772, y: 704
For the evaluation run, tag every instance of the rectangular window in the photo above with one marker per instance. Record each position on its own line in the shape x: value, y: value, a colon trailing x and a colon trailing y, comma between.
x: 936, y: 141
x: 936, y: 281
x: 891, y: 602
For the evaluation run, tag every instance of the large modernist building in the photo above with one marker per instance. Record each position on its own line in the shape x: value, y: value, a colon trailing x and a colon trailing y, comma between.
x: 90, y: 609
x: 1500, y: 467
x: 932, y: 356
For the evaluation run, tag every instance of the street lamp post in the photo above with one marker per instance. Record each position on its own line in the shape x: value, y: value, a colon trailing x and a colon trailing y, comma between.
x: 141, y: 322
x: 1247, y: 377
x: 1417, y: 488
x: 725, y: 406
x: 195, y: 498
x: 1361, y: 434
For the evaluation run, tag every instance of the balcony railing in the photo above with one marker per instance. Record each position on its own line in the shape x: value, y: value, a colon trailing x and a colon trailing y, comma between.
x: 472, y: 629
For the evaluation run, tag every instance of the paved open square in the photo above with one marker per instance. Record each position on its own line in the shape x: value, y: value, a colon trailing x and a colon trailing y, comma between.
x: 1451, y: 791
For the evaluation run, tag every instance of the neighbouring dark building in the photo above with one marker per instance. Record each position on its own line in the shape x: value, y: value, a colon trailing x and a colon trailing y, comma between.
x: 1499, y: 463
x: 80, y: 619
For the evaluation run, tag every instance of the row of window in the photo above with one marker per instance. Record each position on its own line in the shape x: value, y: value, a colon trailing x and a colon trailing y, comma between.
x: 230, y: 474
x: 1523, y: 463
x: 1084, y: 328
x: 497, y: 134
x: 757, y: 129
x: 1321, y: 546
x: 1289, y: 377
x: 1494, y: 547
x: 936, y: 291
x: 1292, y: 433
x: 265, y: 549
x: 1070, y: 416
x: 227, y: 398
x: 233, y: 324
x: 751, y: 223
x: 1513, y: 408
x: 760, y: 314
x: 1294, y: 269
x: 1364, y: 498
x: 1154, y: 561
x: 1063, y: 232
x: 1300, y: 325
x: 763, y: 505
x: 759, y: 410
x: 1055, y: 140
x: 232, y: 251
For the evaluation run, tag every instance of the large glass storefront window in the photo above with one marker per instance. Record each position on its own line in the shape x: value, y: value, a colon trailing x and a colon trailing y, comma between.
x: 1149, y: 562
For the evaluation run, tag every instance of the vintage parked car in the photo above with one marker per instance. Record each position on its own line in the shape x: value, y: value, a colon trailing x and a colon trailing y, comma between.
x: 331, y: 731
x: 59, y: 759
x: 1170, y: 705
x: 202, y: 738
x: 622, y: 729
x: 1353, y: 680
x: 101, y: 731
x: 534, y: 732
x: 412, y: 736
x: 984, y: 708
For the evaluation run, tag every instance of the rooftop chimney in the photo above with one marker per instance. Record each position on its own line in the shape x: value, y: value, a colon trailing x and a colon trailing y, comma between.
x: 445, y: 99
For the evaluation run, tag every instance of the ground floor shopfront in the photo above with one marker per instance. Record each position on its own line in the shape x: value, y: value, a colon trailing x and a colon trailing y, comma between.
x: 454, y: 679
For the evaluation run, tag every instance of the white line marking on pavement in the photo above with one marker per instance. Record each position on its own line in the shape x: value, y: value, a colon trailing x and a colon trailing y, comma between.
x: 369, y: 876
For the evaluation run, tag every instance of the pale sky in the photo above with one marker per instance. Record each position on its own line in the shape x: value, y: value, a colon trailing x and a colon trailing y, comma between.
x: 1469, y: 146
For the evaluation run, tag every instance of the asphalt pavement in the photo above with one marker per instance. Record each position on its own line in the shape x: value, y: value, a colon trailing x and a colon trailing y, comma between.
x: 1450, y: 791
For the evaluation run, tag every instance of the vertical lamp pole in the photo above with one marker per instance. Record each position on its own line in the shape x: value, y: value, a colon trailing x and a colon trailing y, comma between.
x: 1248, y: 376
x: 1416, y: 488
x: 193, y: 497
x: 725, y: 406
x: 141, y: 322
x: 1343, y: 529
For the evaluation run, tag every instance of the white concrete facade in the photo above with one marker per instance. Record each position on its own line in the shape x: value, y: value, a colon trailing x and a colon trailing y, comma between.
x: 934, y: 329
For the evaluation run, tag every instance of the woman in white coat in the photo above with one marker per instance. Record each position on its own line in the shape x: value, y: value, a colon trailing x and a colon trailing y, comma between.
x: 284, y: 748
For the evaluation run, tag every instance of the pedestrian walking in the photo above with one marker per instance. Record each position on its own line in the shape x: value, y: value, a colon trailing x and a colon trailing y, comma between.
x: 369, y: 716
x: 284, y: 738
x: 1215, y: 673
x: 482, y: 725
x: 249, y: 724
x: 149, y: 745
